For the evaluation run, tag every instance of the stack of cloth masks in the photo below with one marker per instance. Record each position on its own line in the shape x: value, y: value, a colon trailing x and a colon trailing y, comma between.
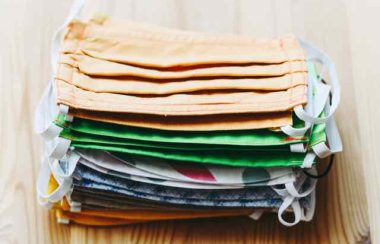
x: 143, y: 123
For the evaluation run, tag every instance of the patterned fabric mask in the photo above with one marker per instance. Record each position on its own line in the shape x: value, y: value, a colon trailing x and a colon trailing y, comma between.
x: 179, y: 174
x: 90, y: 179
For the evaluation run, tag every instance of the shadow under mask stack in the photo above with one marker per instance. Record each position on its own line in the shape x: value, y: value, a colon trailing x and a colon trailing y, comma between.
x: 144, y: 123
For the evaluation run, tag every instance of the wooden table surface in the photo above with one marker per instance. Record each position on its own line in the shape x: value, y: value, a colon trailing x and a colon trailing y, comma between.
x: 348, y: 199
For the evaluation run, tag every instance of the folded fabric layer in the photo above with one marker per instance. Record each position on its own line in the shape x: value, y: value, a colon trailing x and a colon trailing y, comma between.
x: 132, y: 83
x: 184, y: 172
x: 232, y: 158
x: 71, y: 65
x: 154, y: 214
x: 215, y: 122
x: 193, y: 176
x: 194, y: 123
x: 87, y: 177
x: 162, y: 215
x: 249, y: 197
x: 66, y: 217
x: 252, y: 138
x: 182, y: 104
x: 157, y: 180
x: 81, y: 137
x: 245, y: 156
x: 119, y: 201
x: 160, y: 47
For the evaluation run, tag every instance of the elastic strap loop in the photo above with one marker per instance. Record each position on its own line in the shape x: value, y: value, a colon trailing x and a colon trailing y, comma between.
x: 324, y: 172
x: 308, y: 216
x: 64, y: 185
x: 308, y: 160
x: 64, y: 110
x: 290, y: 201
x: 314, y: 54
x: 315, y: 106
x: 321, y: 150
x: 291, y: 131
x: 60, y: 148
x: 74, y: 12
x: 293, y: 191
x: 46, y: 111
x: 44, y: 203
x: 333, y: 138
x: 45, y: 114
x: 298, y: 148
x: 282, y: 192
x: 71, y: 160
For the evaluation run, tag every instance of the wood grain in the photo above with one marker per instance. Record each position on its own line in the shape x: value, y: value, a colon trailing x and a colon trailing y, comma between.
x: 348, y: 199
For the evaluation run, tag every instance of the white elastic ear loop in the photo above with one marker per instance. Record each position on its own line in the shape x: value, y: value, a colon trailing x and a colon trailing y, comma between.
x: 333, y: 138
x: 64, y: 185
x: 72, y: 160
x: 44, y: 125
x: 293, y: 191
x: 74, y: 12
x: 321, y: 149
x: 64, y: 110
x: 317, y: 103
x: 308, y: 160
x: 45, y: 113
x: 74, y: 206
x: 290, y: 196
x: 290, y: 201
x: 315, y: 54
x: 44, y: 202
x: 308, y: 216
x: 291, y: 131
x: 59, y: 148
x: 282, y: 192
x: 298, y: 148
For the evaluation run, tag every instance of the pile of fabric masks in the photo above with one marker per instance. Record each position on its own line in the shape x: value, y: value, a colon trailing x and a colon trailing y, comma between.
x: 145, y: 123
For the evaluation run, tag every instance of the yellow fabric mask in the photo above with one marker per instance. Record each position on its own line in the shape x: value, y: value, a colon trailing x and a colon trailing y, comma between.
x: 191, y: 123
x: 183, y: 104
x: 151, y: 46
x: 65, y: 216
x: 88, y: 75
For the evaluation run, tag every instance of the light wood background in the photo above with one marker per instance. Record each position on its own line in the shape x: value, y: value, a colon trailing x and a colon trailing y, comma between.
x: 348, y: 207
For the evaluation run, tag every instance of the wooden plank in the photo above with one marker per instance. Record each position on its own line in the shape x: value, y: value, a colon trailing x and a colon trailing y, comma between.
x: 336, y: 26
x: 364, y: 42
